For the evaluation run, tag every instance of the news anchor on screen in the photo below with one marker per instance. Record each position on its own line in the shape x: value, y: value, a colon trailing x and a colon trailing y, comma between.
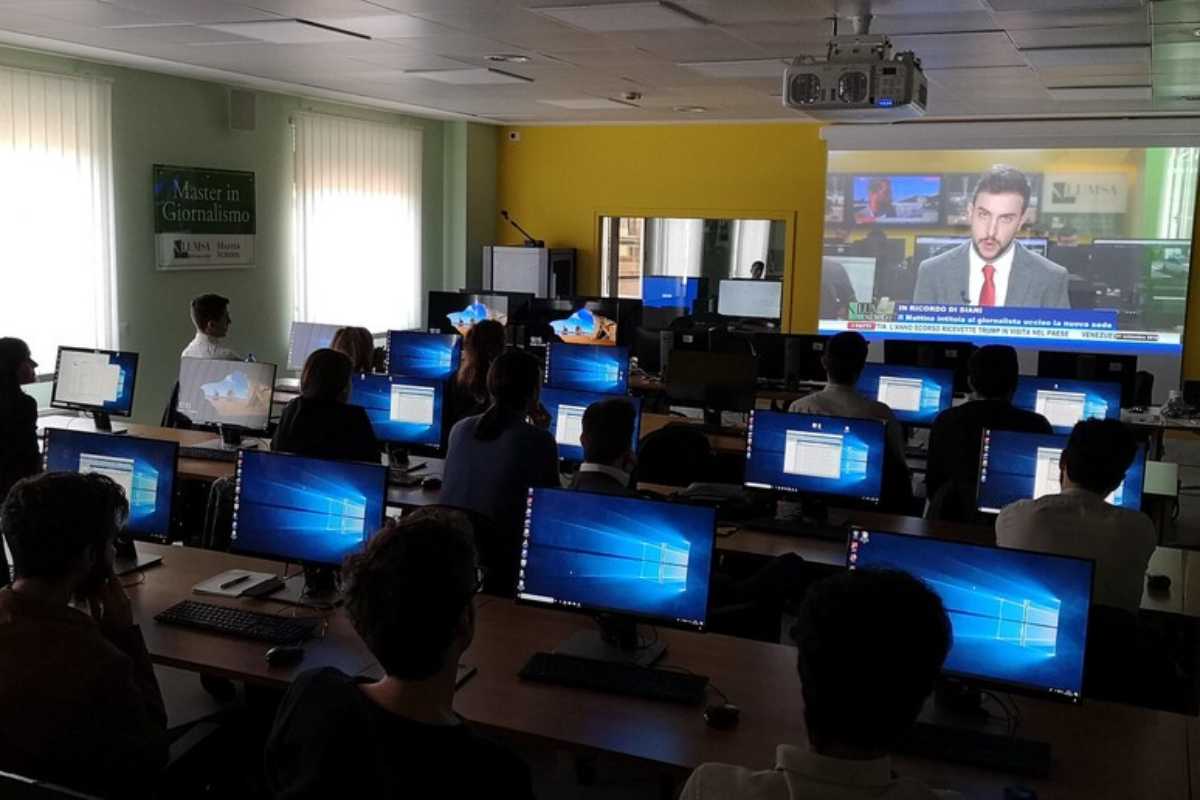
x: 994, y: 269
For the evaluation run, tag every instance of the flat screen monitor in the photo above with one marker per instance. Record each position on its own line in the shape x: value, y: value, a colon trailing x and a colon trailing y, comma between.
x: 566, y: 409
x: 604, y: 321
x: 1105, y: 367
x: 403, y: 411
x: 415, y: 354
x: 305, y: 510
x: 304, y: 338
x: 589, y: 368
x: 214, y: 392
x: 1025, y: 466
x: 620, y: 555
x: 812, y: 454
x: 915, y: 394
x: 792, y: 358
x: 94, y: 380
x: 458, y: 312
x: 897, y: 199
x: 668, y: 291
x: 1065, y: 402
x: 749, y: 299
x: 144, y: 468
x: 712, y: 381
x: 1019, y: 619
x: 954, y: 356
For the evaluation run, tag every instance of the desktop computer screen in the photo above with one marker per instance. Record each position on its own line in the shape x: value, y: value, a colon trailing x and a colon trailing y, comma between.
x: 94, y: 380
x: 915, y: 394
x: 144, y: 468
x: 458, y: 312
x: 216, y: 392
x: 811, y: 454
x: 1065, y: 402
x: 1019, y: 618
x: 668, y: 291
x: 1103, y: 367
x: 415, y: 354
x: 566, y: 409
x: 305, y: 337
x: 1025, y: 466
x: 406, y: 411
x: 589, y: 368
x: 305, y: 510
x: 954, y: 356
x: 749, y: 299
x: 602, y: 553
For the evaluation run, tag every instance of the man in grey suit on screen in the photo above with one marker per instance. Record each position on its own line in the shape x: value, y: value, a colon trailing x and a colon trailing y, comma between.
x: 994, y: 269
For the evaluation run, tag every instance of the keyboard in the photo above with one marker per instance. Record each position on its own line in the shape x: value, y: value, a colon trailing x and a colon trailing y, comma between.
x: 239, y: 622
x: 613, y: 678
x: 795, y: 527
x: 208, y: 453
x: 977, y: 749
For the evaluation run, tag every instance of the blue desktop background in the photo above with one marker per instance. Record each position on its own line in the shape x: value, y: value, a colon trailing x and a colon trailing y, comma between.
x: 153, y: 473
x: 374, y: 394
x: 123, y: 405
x: 997, y: 637
x: 937, y: 389
x: 306, y: 510
x: 587, y: 367
x: 552, y: 398
x: 665, y: 291
x: 603, y: 552
x: 423, y: 355
x: 1011, y: 464
x: 862, y: 454
x: 1101, y: 401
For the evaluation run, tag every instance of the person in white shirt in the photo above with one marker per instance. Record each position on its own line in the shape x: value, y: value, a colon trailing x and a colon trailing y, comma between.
x: 870, y: 646
x: 210, y: 315
x: 607, y: 439
x: 1080, y: 522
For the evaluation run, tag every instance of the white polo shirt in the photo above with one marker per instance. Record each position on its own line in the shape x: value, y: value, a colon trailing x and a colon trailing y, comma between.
x: 205, y: 346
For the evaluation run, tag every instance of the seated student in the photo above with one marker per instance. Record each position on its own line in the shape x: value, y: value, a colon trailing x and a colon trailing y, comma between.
x: 359, y: 345
x: 608, y: 457
x: 870, y: 645
x: 79, y: 704
x: 19, y: 455
x: 210, y: 315
x: 482, y: 345
x: 1079, y: 522
x: 410, y: 597
x: 953, y: 467
x: 321, y: 423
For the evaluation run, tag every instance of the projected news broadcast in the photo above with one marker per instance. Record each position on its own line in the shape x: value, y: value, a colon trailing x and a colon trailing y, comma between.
x: 1068, y: 249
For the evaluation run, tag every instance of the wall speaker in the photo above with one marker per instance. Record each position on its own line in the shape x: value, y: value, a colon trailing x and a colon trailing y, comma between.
x: 241, y: 110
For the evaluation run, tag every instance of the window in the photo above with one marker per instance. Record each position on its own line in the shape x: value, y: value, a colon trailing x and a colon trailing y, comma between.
x: 56, y: 212
x: 357, y: 215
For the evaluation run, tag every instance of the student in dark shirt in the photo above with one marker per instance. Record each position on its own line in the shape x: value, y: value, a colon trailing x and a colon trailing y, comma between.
x: 954, y: 443
x: 321, y: 423
x: 359, y: 346
x: 19, y: 456
x: 410, y: 597
x: 79, y: 704
x: 482, y: 345
x: 608, y: 457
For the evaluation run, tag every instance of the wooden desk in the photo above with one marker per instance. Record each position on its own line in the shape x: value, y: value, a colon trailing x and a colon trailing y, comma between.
x: 188, y: 467
x: 732, y: 442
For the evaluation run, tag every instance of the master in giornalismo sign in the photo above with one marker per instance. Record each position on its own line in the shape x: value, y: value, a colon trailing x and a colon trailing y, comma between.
x: 203, y: 218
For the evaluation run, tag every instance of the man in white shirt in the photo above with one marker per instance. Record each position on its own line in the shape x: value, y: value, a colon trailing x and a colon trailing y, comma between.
x: 607, y: 440
x: 210, y: 315
x: 870, y: 645
x: 1080, y: 522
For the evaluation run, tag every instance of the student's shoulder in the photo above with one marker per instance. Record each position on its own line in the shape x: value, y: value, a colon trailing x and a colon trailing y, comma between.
x: 325, y: 685
x: 725, y: 780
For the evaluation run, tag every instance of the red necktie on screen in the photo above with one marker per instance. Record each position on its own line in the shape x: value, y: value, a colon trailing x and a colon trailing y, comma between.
x: 987, y: 296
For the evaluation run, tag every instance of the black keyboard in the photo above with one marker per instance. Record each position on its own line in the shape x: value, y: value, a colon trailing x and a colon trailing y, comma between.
x: 607, y: 676
x: 795, y: 527
x: 209, y: 453
x: 977, y: 749
x: 239, y: 622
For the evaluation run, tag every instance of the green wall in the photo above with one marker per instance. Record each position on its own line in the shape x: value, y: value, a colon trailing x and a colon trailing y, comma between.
x: 470, y: 201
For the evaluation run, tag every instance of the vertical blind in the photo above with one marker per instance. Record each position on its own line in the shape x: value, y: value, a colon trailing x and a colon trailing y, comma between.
x: 56, y: 212
x: 357, y: 215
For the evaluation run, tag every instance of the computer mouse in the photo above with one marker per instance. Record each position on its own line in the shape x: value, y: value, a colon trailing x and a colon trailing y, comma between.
x: 285, y: 655
x: 432, y: 483
x: 722, y: 717
x: 1158, y: 583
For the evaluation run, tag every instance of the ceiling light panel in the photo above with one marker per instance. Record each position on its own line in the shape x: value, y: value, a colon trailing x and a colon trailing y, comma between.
x: 471, y: 77
x: 284, y: 31
x: 609, y: 18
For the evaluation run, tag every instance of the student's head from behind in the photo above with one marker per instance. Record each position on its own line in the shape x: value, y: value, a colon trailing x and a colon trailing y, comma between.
x: 409, y: 594
x: 1098, y: 453
x: 870, y: 646
x: 998, y: 210
x: 607, y: 434
x: 482, y: 345
x: 359, y: 346
x: 993, y: 371
x: 844, y: 358
x: 326, y: 376
x: 758, y: 270
x: 17, y: 367
x: 210, y: 314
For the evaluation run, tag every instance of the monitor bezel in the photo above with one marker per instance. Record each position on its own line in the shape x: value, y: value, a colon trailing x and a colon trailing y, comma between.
x: 441, y: 386
x: 292, y: 364
x: 216, y: 426
x: 66, y: 404
x: 622, y: 352
x: 455, y: 357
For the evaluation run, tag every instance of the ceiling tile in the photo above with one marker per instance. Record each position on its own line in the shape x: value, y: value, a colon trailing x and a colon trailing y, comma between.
x: 92, y: 13
x: 1081, y: 37
x: 516, y: 25
x: 386, y: 26
x: 480, y: 76
x: 1061, y: 5
x: 781, y: 40
x: 456, y: 45
x: 1184, y: 51
x: 702, y: 44
x: 932, y: 23
x: 650, y: 15
x: 198, y: 11
x: 1175, y: 11
x: 1084, y: 56
x: 315, y: 8
x: 942, y: 50
x: 282, y: 31
x: 1022, y: 20
x: 749, y: 11
x: 1179, y: 33
x: 1102, y: 93
x: 761, y: 68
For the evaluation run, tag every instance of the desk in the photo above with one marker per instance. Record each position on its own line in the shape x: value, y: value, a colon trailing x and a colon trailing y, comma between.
x: 725, y: 442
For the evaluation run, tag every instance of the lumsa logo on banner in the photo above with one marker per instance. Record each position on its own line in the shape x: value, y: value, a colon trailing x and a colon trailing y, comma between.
x: 203, y: 218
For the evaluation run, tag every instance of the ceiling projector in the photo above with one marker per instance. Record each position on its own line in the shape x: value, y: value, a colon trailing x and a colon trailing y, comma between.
x: 861, y: 80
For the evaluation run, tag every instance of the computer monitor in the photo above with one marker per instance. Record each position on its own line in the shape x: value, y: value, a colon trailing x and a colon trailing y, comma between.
x: 99, y: 381
x: 790, y: 358
x: 566, y: 409
x: 304, y: 338
x: 409, y: 412
x: 457, y: 312
x: 1019, y: 619
x: 669, y: 291
x: 714, y: 382
x: 585, y: 320
x: 916, y: 395
x: 815, y: 455
x: 1105, y: 367
x: 1025, y: 466
x: 623, y: 557
x: 305, y: 510
x: 216, y: 393
x: 589, y: 368
x: 1065, y: 402
x: 750, y: 299
x: 955, y: 356
x: 416, y: 354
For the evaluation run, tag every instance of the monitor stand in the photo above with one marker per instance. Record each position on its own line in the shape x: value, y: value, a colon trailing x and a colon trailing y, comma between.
x: 231, y: 436
x: 102, y: 422
x: 127, y: 559
x: 814, y: 513
x: 616, y: 640
x: 316, y: 587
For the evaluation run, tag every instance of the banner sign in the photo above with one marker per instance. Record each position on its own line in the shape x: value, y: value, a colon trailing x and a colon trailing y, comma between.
x: 203, y: 218
x: 1086, y: 193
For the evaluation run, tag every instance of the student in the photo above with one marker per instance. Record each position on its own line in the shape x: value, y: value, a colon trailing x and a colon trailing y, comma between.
x: 1079, y: 522
x: 79, y: 704
x: 410, y: 598
x: 482, y: 345
x: 359, y: 345
x: 210, y: 315
x: 608, y: 457
x: 19, y: 455
x: 758, y: 271
x: 870, y: 645
x: 952, y: 470
x: 321, y: 423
